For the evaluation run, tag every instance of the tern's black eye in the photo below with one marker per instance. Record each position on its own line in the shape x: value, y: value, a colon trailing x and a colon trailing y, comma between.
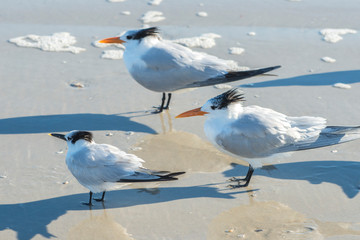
x: 213, y: 107
x: 129, y: 37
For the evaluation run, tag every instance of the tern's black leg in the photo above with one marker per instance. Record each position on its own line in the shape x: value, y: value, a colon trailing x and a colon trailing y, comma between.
x: 246, y: 179
x: 160, y: 109
x: 89, y: 203
x: 168, y: 101
x: 100, y: 199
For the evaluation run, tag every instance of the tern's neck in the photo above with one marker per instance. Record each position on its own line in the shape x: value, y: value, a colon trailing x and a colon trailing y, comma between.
x: 79, y: 145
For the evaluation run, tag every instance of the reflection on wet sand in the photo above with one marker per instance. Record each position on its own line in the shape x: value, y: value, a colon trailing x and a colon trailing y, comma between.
x: 273, y: 220
x: 99, y: 227
x: 182, y: 151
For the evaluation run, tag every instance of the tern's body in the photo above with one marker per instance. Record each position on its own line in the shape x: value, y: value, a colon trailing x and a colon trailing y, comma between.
x: 163, y: 66
x: 100, y: 167
x: 254, y: 133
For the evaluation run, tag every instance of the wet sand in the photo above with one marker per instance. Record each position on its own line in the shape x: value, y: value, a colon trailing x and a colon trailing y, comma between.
x: 311, y: 195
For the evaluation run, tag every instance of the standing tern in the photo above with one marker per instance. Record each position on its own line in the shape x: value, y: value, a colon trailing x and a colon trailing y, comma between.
x: 164, y: 66
x: 255, y: 133
x: 99, y: 167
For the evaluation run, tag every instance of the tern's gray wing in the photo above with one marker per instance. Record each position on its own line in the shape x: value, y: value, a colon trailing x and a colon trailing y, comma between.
x: 170, y: 67
x: 261, y: 132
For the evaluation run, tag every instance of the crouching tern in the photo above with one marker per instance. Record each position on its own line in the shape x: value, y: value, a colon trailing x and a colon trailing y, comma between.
x: 256, y: 134
x: 100, y: 167
x: 164, y: 66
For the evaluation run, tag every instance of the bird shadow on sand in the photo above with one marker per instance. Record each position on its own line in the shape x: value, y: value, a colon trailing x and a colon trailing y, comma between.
x: 31, y: 218
x: 345, y: 174
x: 319, y: 79
x: 68, y: 122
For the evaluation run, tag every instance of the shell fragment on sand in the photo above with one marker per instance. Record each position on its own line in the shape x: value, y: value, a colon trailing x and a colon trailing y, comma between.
x: 202, y: 14
x: 58, y: 42
x: 342, y: 85
x: 328, y: 59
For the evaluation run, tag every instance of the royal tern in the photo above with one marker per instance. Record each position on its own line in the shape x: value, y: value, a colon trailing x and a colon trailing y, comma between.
x: 164, y: 66
x: 99, y: 167
x: 256, y: 134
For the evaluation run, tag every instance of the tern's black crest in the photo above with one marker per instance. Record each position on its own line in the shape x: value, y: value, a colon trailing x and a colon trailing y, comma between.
x: 153, y: 31
x: 226, y: 98
x: 87, y: 136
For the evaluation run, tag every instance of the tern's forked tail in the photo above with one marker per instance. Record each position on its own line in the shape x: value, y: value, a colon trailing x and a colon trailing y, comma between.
x: 155, y: 178
x: 231, y: 77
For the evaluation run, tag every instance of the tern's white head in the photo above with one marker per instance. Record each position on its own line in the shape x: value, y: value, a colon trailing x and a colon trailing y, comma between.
x: 226, y: 104
x: 134, y: 37
x: 75, y: 137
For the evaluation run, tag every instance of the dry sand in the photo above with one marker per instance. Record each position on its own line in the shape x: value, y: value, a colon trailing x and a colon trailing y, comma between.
x: 312, y: 195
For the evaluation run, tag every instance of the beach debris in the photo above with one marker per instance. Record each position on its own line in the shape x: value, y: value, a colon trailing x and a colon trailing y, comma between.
x: 251, y: 33
x: 129, y: 133
x: 154, y: 2
x: 236, y: 50
x: 328, y: 59
x: 127, y: 13
x: 231, y: 230
x: 202, y: 14
x: 206, y: 40
x: 77, y: 85
x: 342, y: 85
x: 333, y: 35
x: 256, y: 96
x: 152, y: 16
x: 241, y: 235
x: 222, y: 86
x: 58, y: 42
x: 112, y: 54
x: 258, y: 230
x: 3, y: 176
x: 334, y: 151
x: 109, y: 134
x: 116, y: 1
x: 60, y: 151
x: 65, y: 182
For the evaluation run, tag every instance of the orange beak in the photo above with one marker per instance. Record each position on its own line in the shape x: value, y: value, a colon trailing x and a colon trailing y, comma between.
x: 191, y: 113
x: 112, y: 40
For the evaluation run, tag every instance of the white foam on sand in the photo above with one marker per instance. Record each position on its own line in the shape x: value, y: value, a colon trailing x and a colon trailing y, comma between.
x: 115, y: 1
x: 58, y: 42
x: 328, y: 59
x: 112, y: 54
x: 342, y: 85
x: 206, y: 40
x: 236, y: 50
x: 152, y: 16
x: 202, y: 14
x: 333, y: 35
x: 154, y: 2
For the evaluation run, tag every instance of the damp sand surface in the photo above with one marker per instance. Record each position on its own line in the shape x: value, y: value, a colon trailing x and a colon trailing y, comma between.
x: 55, y: 82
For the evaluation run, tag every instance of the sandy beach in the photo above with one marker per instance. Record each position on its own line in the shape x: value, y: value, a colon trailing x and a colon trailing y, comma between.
x: 310, y: 195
